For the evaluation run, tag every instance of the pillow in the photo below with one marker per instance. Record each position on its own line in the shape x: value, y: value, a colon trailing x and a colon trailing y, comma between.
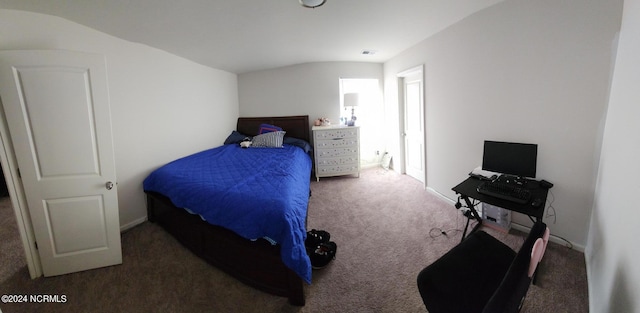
x: 271, y: 140
x: 236, y: 138
x: 267, y: 128
x: 298, y: 142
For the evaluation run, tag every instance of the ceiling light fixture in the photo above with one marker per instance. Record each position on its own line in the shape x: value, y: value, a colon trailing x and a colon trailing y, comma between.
x: 312, y: 3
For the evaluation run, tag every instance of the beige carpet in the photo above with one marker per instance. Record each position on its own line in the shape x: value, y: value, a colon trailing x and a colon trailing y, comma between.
x: 387, y: 228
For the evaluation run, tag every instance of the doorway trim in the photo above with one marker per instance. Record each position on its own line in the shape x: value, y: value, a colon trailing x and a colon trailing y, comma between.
x: 413, y: 71
x: 18, y: 198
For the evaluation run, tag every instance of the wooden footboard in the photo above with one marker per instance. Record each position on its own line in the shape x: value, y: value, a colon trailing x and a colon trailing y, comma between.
x: 256, y: 263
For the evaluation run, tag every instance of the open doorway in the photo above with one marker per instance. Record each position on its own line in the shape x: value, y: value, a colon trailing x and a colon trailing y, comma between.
x: 12, y: 258
x: 16, y: 232
x: 411, y: 84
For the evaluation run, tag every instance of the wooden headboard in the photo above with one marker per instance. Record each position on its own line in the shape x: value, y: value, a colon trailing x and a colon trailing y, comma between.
x: 295, y: 126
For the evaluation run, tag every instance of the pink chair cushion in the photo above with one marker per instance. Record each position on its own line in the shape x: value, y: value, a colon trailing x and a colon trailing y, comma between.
x: 538, y: 251
x: 536, y: 255
x: 545, y: 237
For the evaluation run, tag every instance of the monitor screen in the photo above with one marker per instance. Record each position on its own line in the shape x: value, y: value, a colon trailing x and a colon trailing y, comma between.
x: 511, y: 158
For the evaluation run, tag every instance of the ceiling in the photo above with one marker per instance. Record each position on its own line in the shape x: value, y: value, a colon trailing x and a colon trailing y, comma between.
x: 249, y: 35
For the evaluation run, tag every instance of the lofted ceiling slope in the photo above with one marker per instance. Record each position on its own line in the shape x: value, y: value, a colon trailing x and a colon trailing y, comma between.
x: 250, y: 35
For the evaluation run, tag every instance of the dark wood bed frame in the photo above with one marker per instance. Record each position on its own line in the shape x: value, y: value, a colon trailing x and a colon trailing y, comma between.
x: 256, y: 263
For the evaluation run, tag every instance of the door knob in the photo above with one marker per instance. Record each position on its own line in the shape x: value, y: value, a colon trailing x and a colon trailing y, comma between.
x: 109, y: 185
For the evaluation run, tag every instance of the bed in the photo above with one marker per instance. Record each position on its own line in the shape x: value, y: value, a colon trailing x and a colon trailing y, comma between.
x: 268, y: 256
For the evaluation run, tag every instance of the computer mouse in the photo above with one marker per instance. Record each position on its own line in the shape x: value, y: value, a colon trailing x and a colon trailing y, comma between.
x: 536, y: 202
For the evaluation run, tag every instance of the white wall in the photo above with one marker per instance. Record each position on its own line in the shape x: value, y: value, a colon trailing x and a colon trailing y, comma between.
x: 612, y: 249
x: 523, y: 71
x: 162, y: 106
x: 306, y: 89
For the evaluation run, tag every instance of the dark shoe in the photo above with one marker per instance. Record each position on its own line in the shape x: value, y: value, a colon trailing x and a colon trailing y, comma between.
x: 323, y: 254
x: 316, y: 237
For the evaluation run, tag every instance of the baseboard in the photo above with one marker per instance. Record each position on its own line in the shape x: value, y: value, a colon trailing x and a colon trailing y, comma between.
x: 552, y: 237
x: 443, y: 197
x: 370, y: 165
x: 590, y: 289
x: 132, y: 224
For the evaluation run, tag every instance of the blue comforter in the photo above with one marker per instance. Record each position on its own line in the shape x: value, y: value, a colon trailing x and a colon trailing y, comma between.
x: 255, y: 192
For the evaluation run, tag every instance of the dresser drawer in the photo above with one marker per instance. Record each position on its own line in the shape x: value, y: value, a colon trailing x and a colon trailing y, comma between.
x: 336, y: 133
x: 332, y: 170
x: 336, y: 152
x: 350, y: 159
x: 337, y: 143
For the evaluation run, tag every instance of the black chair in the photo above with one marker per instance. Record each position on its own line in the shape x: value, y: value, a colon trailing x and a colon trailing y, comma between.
x: 482, y: 274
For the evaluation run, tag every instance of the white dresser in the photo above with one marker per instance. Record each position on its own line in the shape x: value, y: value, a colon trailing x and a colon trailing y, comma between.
x: 336, y: 150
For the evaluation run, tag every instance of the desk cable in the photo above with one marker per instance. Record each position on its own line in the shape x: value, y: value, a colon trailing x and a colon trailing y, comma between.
x: 551, y: 211
x: 436, y: 232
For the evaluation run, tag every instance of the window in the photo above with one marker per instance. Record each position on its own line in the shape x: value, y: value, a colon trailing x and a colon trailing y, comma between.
x: 369, y: 113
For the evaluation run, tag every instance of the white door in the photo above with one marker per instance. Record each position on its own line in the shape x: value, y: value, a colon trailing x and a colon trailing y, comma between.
x: 57, y: 108
x: 414, y: 126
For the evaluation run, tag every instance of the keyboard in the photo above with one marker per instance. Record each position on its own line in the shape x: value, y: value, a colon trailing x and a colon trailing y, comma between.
x: 505, y: 191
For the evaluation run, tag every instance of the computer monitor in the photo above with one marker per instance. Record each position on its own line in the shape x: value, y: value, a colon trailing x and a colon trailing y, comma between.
x: 518, y: 159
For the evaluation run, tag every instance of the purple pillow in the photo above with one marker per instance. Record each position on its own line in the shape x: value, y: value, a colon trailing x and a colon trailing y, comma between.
x: 267, y: 128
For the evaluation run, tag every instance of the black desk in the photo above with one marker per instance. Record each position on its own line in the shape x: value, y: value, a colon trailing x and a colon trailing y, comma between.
x: 469, y: 189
